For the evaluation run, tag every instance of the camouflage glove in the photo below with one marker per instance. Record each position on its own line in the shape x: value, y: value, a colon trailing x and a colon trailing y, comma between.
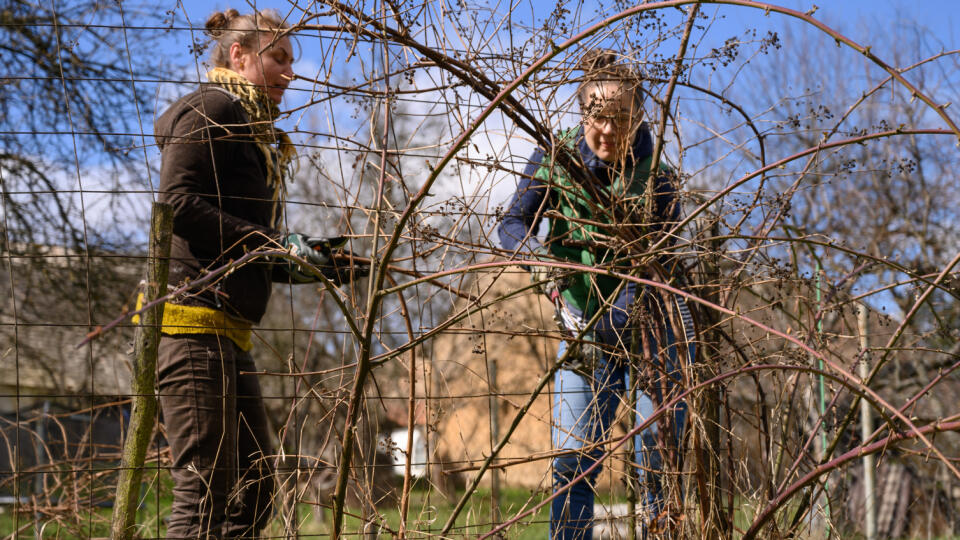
x: 584, y: 355
x: 316, y: 251
x: 546, y: 278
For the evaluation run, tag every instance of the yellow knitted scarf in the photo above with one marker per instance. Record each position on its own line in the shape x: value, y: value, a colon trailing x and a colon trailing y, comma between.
x: 276, y: 146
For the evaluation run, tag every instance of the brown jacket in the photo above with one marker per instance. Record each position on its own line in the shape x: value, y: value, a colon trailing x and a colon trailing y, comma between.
x: 214, y: 176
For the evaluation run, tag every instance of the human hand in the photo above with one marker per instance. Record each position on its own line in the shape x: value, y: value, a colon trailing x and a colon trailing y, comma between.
x: 547, y: 279
x: 583, y: 356
x: 344, y: 266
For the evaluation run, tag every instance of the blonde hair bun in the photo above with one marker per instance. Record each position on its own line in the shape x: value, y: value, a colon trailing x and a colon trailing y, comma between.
x: 219, y: 22
x: 597, y: 60
x: 602, y: 66
x: 228, y: 27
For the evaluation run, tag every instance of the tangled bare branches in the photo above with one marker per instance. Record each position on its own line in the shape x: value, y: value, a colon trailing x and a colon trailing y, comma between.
x: 816, y: 245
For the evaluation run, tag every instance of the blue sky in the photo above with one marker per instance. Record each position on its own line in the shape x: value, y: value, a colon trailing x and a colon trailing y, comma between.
x: 867, y: 22
x: 863, y: 18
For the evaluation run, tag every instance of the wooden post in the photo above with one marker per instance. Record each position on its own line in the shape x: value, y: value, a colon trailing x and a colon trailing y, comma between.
x: 494, y: 406
x: 866, y: 429
x: 144, y: 409
x: 710, y: 476
x: 631, y: 471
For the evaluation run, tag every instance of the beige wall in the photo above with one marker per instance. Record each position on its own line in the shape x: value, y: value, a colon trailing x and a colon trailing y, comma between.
x: 522, y: 337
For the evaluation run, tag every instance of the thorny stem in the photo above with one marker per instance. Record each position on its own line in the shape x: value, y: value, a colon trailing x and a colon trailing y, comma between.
x: 780, y: 163
x: 541, y: 384
x: 377, y: 292
x: 411, y: 417
x: 374, y: 300
x: 665, y: 112
x: 201, y: 283
x: 663, y: 409
x: 837, y: 372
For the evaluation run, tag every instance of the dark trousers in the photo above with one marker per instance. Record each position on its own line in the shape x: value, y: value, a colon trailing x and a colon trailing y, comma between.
x: 219, y: 437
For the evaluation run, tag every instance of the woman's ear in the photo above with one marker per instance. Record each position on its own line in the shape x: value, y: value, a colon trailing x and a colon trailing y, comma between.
x: 236, y: 56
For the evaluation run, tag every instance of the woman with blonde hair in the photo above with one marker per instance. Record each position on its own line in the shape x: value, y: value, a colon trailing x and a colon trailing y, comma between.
x: 224, y: 169
x: 605, y: 201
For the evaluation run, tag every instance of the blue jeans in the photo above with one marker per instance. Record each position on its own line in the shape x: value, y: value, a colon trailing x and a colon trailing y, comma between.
x: 584, y: 407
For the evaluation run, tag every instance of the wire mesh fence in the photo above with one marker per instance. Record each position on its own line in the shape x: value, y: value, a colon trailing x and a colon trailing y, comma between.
x: 785, y: 361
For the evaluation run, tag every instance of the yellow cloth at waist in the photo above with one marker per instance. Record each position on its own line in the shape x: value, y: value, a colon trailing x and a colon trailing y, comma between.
x: 179, y: 319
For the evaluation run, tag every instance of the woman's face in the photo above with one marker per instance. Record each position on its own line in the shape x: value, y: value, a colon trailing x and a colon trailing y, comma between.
x: 273, y: 69
x: 611, y: 116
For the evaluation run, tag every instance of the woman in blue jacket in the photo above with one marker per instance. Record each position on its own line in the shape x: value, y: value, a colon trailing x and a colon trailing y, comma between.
x: 593, y: 186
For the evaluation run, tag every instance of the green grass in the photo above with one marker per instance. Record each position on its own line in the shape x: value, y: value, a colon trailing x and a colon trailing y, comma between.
x: 430, y: 511
x: 83, y: 516
x: 427, y: 514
